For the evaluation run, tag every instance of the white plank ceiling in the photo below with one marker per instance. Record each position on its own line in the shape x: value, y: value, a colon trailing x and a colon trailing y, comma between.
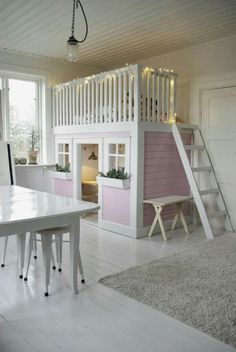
x: 120, y: 31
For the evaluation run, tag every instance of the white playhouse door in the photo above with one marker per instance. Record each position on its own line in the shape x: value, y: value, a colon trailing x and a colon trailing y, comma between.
x: 219, y: 130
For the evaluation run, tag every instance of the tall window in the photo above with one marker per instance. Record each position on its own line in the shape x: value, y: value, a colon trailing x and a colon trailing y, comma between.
x: 23, y: 119
x: 21, y: 106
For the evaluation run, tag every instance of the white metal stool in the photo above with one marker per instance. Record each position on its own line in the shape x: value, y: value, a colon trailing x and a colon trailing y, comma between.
x: 46, y: 239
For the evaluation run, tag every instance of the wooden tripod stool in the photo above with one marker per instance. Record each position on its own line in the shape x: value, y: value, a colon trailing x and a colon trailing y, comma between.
x: 159, y: 204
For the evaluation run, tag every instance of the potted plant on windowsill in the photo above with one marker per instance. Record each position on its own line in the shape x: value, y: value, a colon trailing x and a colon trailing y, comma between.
x: 114, y: 178
x: 61, y: 172
x: 34, y: 143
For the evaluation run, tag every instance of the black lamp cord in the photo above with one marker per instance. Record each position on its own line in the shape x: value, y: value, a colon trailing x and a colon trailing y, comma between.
x: 76, y: 4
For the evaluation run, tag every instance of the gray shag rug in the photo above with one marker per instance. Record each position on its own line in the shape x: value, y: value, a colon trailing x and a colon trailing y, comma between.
x: 197, y: 287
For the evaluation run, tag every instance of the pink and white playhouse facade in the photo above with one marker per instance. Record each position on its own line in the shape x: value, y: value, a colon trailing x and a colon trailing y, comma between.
x: 120, y: 118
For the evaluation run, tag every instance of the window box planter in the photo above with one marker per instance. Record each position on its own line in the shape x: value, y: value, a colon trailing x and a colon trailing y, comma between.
x: 60, y: 175
x: 113, y: 182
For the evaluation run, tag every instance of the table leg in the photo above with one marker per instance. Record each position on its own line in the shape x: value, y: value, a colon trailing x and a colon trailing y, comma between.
x: 74, y: 250
x: 21, y: 252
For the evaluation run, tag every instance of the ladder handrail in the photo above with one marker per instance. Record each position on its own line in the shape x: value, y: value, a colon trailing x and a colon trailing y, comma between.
x: 192, y: 182
x: 217, y: 182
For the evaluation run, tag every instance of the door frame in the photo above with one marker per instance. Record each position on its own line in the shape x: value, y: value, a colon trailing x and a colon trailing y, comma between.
x: 199, y: 86
x: 77, y: 160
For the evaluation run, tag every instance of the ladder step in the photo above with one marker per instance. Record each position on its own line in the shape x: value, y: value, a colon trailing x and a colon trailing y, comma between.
x: 216, y: 214
x: 201, y: 169
x: 194, y: 147
x: 209, y: 191
x: 186, y: 126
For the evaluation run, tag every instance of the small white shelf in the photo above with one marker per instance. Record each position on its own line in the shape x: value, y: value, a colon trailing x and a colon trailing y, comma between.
x: 60, y: 175
x: 113, y: 182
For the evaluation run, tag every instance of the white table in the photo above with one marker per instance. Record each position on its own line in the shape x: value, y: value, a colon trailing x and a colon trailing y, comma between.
x: 160, y: 203
x: 23, y: 210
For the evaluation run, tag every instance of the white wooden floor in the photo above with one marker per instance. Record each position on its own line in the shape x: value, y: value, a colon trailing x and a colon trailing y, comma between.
x: 98, y: 319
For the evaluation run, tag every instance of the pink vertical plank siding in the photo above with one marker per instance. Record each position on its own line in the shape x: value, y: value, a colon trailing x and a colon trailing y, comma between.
x: 116, y: 205
x: 63, y: 187
x: 163, y: 171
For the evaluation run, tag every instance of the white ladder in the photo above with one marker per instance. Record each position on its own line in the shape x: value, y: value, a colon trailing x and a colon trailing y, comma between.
x: 190, y: 171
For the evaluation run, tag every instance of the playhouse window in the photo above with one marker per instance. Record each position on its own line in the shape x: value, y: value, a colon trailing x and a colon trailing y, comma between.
x: 116, y: 156
x: 63, y: 154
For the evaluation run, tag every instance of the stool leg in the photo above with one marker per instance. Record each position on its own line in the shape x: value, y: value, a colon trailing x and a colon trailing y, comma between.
x: 177, y: 215
x: 47, y: 253
x: 35, y: 245
x: 153, y: 224
x: 81, y: 268
x: 162, y: 229
x: 21, y: 252
x: 5, y: 251
x: 185, y: 226
x: 30, y: 248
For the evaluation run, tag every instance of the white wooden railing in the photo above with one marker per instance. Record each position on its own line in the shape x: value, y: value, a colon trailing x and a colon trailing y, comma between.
x: 125, y: 95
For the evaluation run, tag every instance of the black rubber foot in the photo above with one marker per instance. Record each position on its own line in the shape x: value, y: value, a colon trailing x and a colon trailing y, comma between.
x: 83, y: 281
x: 46, y: 294
x: 2, y: 265
x: 25, y: 278
x: 54, y: 268
x: 35, y: 257
x: 20, y: 276
x: 60, y: 270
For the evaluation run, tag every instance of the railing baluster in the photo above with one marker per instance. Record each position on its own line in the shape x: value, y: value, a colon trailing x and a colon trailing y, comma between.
x: 105, y: 99
x: 101, y: 101
x: 130, y: 95
x: 92, y: 103
x: 124, y: 96
x: 97, y: 101
x: 69, y: 104
x: 159, y: 98
x: 153, y: 107
x: 119, y: 97
x: 110, y: 101
x: 81, y: 104
x: 148, y: 97
x: 115, y: 107
x: 163, y: 97
x: 60, y: 106
x: 88, y: 103
x: 144, y: 98
x: 54, y: 109
x: 167, y: 97
x: 77, y: 103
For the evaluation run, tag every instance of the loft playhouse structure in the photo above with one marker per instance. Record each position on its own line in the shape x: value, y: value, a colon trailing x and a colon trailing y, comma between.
x: 126, y: 119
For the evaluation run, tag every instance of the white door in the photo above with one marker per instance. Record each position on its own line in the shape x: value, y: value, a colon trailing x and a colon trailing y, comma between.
x: 218, y: 125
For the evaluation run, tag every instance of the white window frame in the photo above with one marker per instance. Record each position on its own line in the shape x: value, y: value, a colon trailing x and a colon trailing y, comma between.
x: 107, y: 154
x: 39, y: 105
x: 57, y: 153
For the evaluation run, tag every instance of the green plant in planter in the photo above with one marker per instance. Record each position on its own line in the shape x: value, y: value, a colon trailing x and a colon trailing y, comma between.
x: 65, y: 168
x: 33, y: 140
x: 119, y: 174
